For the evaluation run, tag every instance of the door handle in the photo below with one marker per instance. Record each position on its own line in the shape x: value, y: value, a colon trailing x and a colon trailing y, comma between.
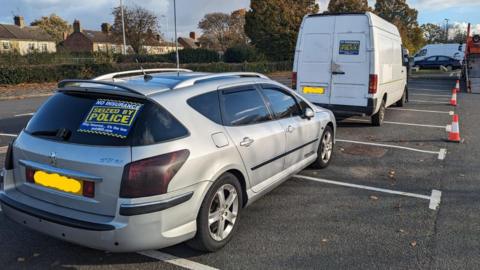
x: 338, y: 73
x: 246, y: 142
x: 290, y: 129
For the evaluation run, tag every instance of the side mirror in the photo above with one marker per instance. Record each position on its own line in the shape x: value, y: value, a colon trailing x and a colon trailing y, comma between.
x: 308, y: 113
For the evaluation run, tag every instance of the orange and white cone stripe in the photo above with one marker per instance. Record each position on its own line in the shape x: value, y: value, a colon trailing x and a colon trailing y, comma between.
x: 454, y: 134
x: 453, y: 100
x: 457, y: 85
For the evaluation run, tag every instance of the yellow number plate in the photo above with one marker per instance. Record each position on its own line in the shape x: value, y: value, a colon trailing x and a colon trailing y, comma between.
x: 313, y: 90
x: 58, y: 182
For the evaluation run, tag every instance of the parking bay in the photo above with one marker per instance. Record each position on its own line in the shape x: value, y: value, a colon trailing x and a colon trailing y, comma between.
x: 306, y: 224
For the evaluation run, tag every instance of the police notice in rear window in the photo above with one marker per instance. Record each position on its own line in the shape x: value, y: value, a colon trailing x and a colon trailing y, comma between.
x: 111, y: 118
x: 349, y: 47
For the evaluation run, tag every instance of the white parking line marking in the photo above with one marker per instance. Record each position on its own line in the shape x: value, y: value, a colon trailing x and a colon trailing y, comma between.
x: 24, y: 114
x: 8, y: 135
x: 430, y: 95
x: 425, y: 111
x: 428, y: 90
x: 401, y: 123
x: 427, y: 101
x: 440, y: 154
x: 3, y: 149
x: 434, y: 198
x: 164, y: 257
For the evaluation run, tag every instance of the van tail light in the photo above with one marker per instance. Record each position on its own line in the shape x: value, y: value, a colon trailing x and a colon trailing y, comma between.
x: 373, y: 84
x: 294, y: 80
x: 9, y: 157
x: 151, y: 176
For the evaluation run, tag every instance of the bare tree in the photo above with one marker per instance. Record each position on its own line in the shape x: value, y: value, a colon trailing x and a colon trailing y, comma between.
x: 222, y: 31
x: 140, y: 25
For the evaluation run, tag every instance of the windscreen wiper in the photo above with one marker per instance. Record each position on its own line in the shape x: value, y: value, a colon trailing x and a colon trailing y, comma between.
x: 61, y: 133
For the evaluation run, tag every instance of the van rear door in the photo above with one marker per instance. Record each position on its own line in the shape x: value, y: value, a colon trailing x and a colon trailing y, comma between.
x: 350, y: 63
x: 315, y: 59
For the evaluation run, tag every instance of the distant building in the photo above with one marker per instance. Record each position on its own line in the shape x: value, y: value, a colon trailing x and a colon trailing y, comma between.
x: 25, y: 39
x: 190, y: 42
x: 104, y: 41
x: 91, y: 40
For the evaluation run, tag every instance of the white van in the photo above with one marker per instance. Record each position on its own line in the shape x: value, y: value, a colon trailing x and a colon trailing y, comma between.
x: 351, y: 64
x: 453, y: 50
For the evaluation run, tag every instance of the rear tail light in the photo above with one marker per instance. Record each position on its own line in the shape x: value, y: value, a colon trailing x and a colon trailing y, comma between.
x: 9, y: 157
x: 373, y: 84
x: 294, y: 80
x: 151, y: 176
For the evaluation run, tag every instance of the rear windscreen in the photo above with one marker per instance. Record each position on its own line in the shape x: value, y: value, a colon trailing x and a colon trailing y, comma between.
x: 95, y: 119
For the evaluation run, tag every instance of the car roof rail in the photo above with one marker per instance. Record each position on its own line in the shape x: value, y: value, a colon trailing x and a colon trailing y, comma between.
x: 112, y: 76
x: 67, y: 83
x: 192, y: 81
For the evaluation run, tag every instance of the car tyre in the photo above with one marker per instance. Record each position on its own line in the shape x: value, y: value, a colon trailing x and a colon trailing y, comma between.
x: 401, y: 102
x: 325, y: 149
x: 218, y: 211
x: 449, y: 68
x: 377, y: 119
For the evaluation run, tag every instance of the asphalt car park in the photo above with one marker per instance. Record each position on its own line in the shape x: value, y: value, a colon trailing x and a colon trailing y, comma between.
x: 393, y: 197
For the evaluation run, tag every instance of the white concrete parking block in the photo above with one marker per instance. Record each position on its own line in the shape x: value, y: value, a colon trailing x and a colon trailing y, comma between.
x: 434, y: 198
x: 441, y: 154
x: 164, y: 257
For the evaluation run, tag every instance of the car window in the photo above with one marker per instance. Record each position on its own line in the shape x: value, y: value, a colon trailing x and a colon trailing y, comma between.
x: 208, y: 105
x: 243, y: 106
x: 282, y: 104
x: 69, y: 111
x: 443, y: 58
x: 431, y: 59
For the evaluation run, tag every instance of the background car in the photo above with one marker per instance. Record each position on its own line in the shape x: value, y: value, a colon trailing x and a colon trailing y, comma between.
x: 134, y: 162
x: 434, y: 62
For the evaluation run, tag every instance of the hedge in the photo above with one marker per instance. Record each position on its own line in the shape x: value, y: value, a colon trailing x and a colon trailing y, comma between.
x: 54, y: 73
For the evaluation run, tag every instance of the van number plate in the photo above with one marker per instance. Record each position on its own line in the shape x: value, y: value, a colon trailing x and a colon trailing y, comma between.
x: 313, y: 90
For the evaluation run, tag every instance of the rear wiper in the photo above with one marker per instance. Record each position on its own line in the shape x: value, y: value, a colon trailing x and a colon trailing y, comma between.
x: 61, y: 133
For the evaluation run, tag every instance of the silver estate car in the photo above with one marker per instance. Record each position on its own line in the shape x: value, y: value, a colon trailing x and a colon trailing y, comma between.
x: 147, y: 159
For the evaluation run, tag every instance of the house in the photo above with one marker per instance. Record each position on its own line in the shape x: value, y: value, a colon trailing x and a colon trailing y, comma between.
x: 104, y: 41
x: 24, y: 39
x: 190, y: 42
x: 91, y: 40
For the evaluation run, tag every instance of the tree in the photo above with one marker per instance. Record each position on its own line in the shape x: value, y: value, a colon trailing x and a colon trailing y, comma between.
x: 399, y: 13
x: 459, y: 36
x: 432, y: 33
x: 222, y: 31
x: 272, y: 25
x: 339, y: 6
x: 54, y: 25
x: 140, y: 25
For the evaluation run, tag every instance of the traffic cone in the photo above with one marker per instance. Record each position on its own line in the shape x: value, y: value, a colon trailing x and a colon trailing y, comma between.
x: 454, y: 134
x: 457, y: 86
x: 453, y: 100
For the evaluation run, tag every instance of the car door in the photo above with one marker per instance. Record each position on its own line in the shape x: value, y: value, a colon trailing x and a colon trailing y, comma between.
x: 431, y: 62
x: 259, y: 139
x: 301, y: 133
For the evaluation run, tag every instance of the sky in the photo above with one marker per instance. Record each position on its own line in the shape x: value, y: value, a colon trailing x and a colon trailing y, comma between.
x: 92, y: 13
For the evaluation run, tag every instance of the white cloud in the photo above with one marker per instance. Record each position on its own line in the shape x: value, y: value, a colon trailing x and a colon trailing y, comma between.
x: 443, y: 4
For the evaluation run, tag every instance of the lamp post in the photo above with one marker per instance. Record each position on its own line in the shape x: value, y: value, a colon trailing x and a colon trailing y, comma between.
x: 176, y: 40
x: 446, y: 30
x: 124, y: 49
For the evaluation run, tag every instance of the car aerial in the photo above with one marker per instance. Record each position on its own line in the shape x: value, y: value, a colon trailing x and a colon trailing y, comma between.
x: 434, y: 62
x: 147, y: 159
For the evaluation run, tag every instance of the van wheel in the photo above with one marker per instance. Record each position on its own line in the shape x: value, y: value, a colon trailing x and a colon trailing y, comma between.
x: 325, y: 149
x: 377, y: 119
x: 219, y: 214
x: 403, y: 99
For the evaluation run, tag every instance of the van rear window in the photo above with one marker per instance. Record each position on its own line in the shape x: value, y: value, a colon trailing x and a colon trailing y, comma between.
x: 95, y: 119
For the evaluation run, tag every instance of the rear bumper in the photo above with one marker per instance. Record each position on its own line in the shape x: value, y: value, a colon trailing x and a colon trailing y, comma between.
x: 346, y: 110
x: 141, y: 227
